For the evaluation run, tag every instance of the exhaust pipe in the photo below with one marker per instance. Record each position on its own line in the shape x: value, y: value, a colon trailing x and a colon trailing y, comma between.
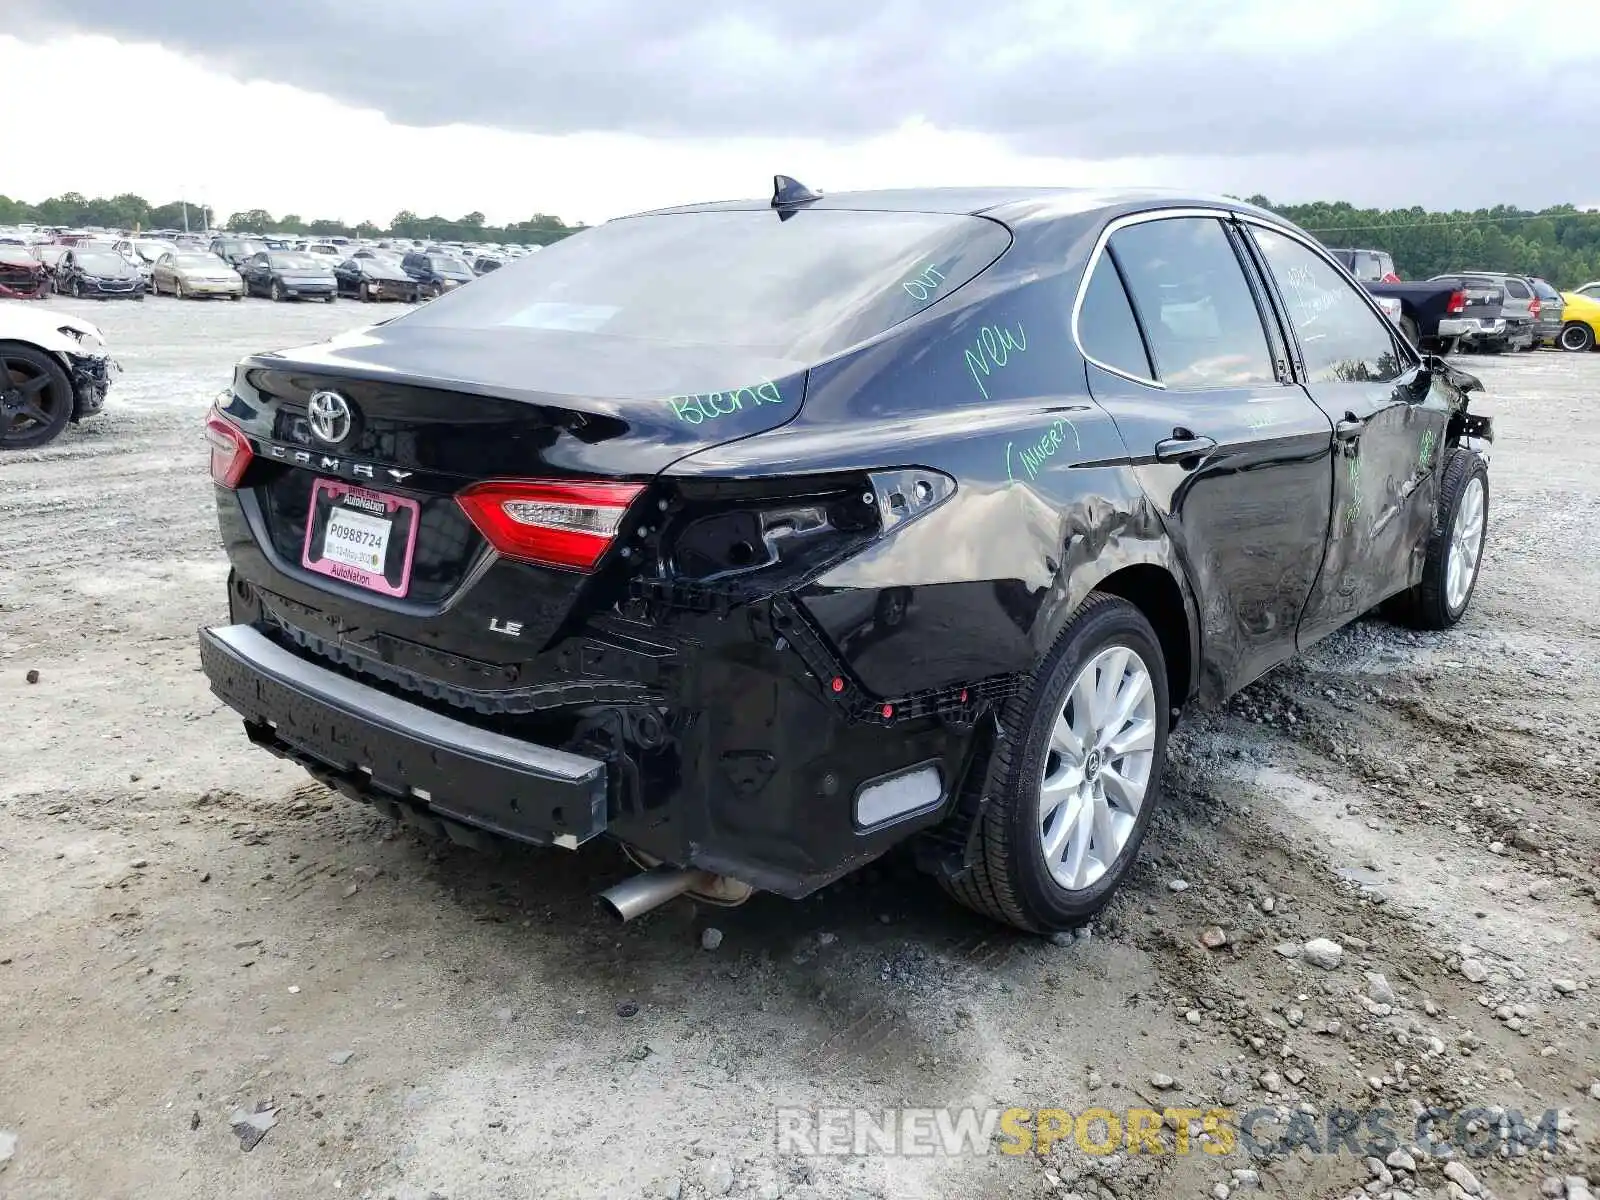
x: 634, y: 897
x: 654, y: 887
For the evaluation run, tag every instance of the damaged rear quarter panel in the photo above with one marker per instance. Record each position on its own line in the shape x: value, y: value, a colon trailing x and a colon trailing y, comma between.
x: 990, y: 391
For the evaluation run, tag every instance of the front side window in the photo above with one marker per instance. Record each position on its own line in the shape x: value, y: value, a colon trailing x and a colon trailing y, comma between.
x: 1202, y: 322
x: 1341, y: 338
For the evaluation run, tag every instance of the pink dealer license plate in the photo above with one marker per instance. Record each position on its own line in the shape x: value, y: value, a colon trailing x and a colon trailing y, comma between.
x: 361, y: 536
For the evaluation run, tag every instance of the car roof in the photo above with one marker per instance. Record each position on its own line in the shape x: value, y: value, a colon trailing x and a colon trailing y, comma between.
x: 1010, y: 205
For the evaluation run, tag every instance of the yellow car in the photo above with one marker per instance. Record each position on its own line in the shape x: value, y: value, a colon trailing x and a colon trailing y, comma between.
x: 1580, y: 321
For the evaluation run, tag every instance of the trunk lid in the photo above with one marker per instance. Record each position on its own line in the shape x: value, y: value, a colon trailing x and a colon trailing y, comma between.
x: 435, y: 411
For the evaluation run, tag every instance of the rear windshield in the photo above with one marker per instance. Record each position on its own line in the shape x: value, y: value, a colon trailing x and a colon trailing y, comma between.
x: 801, y: 289
x: 1546, y: 292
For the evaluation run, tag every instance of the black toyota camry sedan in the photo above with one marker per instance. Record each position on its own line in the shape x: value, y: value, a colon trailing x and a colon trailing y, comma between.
x: 761, y: 537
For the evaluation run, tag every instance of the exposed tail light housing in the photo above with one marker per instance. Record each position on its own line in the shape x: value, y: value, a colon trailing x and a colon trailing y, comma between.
x: 556, y: 523
x: 1457, y: 304
x: 230, y: 451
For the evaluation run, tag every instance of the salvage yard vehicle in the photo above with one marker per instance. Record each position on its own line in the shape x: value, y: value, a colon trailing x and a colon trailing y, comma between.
x: 1519, y: 309
x: 51, y: 257
x: 1547, y: 328
x: 100, y: 272
x: 234, y: 251
x: 1435, y: 314
x: 54, y: 369
x: 288, y: 275
x: 436, y: 273
x: 195, y: 274
x: 22, y: 276
x: 374, y: 277
x: 761, y: 537
x: 1580, y: 320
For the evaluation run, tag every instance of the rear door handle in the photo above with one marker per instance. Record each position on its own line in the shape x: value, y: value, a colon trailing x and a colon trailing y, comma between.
x: 1187, y: 446
x: 1349, y: 429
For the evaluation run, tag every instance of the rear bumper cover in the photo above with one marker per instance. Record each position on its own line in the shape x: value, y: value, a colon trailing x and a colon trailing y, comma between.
x: 379, y: 744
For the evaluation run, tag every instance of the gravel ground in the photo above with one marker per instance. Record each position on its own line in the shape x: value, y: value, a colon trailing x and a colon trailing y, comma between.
x: 191, y: 931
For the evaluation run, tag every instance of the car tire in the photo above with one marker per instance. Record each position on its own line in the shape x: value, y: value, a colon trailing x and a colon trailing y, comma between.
x: 76, y: 289
x: 276, y: 291
x: 1576, y: 337
x: 1047, y: 870
x: 235, y: 295
x: 330, y: 298
x: 364, y: 293
x: 177, y: 289
x: 21, y: 367
x: 1454, y: 556
x: 1409, y: 328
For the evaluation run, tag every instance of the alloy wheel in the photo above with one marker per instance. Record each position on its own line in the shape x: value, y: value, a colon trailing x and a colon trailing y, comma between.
x: 1102, y: 749
x: 1466, y: 544
x: 26, y: 403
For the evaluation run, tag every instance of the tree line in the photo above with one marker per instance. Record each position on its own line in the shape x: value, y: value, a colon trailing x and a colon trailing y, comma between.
x: 128, y: 211
x: 1561, y: 244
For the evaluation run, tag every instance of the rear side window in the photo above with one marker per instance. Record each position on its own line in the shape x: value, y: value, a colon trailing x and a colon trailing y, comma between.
x: 1192, y: 298
x: 1107, y: 330
x: 1517, y: 288
x: 1341, y: 338
x: 801, y: 289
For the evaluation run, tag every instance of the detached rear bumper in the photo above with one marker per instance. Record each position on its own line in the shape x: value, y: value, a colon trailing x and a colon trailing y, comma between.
x: 374, y: 745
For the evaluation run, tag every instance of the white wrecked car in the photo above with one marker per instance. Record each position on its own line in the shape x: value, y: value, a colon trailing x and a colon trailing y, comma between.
x: 54, y: 368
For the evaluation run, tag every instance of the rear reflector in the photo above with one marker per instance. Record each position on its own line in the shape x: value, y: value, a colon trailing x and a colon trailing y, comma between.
x: 894, y: 796
x: 557, y: 523
x: 230, y: 451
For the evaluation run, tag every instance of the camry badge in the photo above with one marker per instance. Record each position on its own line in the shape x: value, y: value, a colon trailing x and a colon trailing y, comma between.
x: 330, y: 416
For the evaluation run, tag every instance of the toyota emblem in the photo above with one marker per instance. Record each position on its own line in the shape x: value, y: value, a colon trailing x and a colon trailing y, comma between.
x: 331, y: 418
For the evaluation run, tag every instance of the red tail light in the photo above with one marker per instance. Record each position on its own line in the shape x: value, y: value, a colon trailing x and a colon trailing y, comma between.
x: 1458, y: 302
x: 1390, y: 277
x: 1533, y: 307
x: 558, y: 523
x: 230, y: 451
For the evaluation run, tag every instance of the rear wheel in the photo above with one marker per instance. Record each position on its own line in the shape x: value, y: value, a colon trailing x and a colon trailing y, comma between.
x: 276, y: 291
x: 364, y: 293
x: 1071, y: 787
x: 1576, y: 336
x: 1455, y: 546
x: 177, y: 288
x: 35, y: 397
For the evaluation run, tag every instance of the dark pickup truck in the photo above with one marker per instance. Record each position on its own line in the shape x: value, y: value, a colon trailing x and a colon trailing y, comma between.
x: 1438, y: 314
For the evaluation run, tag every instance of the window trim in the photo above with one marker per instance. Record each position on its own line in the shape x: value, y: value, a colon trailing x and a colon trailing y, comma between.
x: 1219, y: 214
x: 1407, y: 350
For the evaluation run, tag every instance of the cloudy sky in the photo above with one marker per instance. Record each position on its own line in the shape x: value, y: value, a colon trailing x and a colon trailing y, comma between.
x: 590, y: 108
